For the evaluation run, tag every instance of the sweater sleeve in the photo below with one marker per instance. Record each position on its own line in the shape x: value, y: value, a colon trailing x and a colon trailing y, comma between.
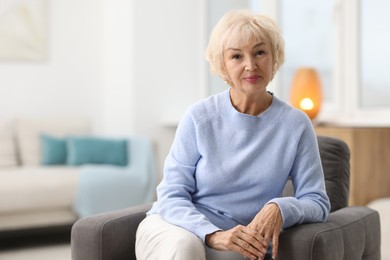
x: 310, y: 203
x: 175, y: 191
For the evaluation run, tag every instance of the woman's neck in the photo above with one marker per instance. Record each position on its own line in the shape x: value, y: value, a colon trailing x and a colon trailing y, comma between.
x: 251, y: 104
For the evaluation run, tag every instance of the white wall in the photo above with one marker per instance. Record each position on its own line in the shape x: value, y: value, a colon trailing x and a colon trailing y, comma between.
x: 129, y: 66
x: 69, y: 81
x: 153, y: 59
x: 168, y: 53
x: 118, y: 115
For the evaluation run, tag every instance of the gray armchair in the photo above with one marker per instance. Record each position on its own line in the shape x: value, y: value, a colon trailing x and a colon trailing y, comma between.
x: 350, y: 233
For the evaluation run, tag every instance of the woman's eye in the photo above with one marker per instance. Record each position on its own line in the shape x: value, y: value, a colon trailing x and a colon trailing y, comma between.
x: 236, y: 57
x: 260, y: 52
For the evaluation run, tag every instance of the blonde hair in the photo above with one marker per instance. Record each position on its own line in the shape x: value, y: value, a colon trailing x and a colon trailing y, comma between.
x: 238, y: 27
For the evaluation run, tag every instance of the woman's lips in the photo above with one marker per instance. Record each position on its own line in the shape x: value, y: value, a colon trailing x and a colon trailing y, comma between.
x: 252, y: 79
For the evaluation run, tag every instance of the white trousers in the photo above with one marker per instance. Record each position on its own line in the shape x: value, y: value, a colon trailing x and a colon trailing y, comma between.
x: 158, y: 239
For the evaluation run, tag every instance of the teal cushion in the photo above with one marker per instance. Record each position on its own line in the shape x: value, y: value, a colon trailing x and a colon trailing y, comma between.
x: 53, y: 150
x: 96, y: 150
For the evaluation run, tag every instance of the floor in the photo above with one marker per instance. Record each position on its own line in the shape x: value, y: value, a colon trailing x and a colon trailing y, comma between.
x: 31, y: 246
x: 47, y: 252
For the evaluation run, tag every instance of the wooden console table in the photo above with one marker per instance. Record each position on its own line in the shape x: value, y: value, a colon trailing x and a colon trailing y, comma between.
x: 370, y: 160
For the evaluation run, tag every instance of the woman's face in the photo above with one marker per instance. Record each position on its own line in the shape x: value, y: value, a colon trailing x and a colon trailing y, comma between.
x: 249, y: 67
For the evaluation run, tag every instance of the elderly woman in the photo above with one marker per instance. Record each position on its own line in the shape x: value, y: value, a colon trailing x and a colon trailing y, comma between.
x: 233, y: 152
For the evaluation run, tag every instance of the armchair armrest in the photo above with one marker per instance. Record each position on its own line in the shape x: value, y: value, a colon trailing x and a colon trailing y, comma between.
x: 349, y: 233
x: 107, y: 236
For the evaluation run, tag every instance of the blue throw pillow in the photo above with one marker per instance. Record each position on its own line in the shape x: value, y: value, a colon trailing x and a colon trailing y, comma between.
x: 95, y: 150
x: 53, y: 150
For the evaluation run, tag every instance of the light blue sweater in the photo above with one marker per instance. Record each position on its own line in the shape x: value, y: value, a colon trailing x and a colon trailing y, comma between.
x: 224, y: 166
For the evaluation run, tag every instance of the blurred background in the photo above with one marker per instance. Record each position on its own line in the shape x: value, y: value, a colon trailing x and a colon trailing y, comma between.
x: 132, y: 67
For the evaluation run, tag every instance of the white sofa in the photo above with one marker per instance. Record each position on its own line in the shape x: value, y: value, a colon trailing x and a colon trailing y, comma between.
x: 33, y: 195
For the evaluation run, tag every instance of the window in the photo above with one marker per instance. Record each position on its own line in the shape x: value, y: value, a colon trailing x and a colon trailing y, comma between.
x: 308, y: 33
x: 375, y: 54
x: 347, y: 42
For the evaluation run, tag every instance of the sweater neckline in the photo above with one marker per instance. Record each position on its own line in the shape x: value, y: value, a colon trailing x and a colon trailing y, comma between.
x: 267, y: 116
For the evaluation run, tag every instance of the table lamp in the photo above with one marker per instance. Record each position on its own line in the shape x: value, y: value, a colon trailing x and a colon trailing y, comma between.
x: 306, y: 93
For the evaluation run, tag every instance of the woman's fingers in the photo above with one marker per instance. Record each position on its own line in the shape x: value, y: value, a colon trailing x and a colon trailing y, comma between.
x: 275, y: 244
x: 268, y: 230
x: 243, y: 240
x: 249, y: 240
x: 268, y: 222
x: 245, y: 251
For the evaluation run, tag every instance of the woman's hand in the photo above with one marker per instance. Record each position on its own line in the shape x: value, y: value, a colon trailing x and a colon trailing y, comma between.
x: 240, y: 239
x: 268, y: 223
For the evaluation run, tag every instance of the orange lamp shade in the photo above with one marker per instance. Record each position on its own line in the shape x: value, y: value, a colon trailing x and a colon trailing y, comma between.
x: 306, y: 93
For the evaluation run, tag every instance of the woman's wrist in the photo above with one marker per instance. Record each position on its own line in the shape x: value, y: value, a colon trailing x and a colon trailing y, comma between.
x: 210, y: 238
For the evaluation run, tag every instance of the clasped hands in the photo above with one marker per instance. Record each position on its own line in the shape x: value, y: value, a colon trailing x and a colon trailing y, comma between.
x: 253, y: 240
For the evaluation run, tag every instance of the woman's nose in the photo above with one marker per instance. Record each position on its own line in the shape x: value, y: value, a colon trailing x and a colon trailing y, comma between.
x: 250, y: 64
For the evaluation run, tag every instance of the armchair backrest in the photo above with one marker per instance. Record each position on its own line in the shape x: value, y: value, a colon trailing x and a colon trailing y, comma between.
x: 335, y: 157
x: 335, y: 163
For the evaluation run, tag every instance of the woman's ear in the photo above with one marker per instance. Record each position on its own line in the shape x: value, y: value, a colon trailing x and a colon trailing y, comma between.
x: 225, y: 77
x: 227, y: 80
